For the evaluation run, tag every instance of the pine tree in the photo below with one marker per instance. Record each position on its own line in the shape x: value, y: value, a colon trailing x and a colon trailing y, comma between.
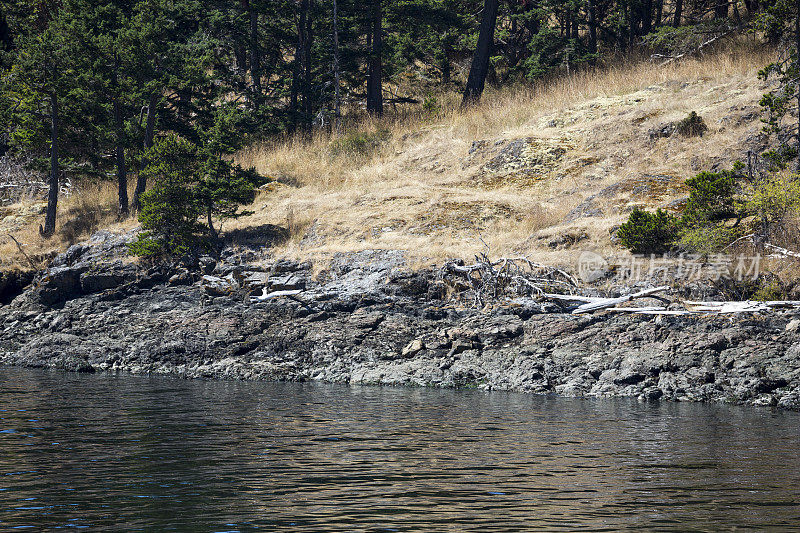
x: 36, y: 90
x: 480, y: 60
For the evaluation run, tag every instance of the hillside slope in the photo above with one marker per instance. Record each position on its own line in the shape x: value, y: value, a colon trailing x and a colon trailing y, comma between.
x: 538, y: 173
x: 541, y: 171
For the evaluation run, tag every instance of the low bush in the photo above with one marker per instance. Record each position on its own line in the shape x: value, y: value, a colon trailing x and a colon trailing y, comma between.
x: 359, y: 143
x: 711, y: 197
x: 649, y: 233
x: 691, y: 126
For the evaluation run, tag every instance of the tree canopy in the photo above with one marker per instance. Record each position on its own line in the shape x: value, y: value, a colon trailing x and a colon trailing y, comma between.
x: 90, y: 86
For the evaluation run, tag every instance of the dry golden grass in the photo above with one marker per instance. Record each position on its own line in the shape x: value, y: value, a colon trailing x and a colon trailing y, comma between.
x: 437, y: 184
x: 424, y: 192
x: 92, y: 207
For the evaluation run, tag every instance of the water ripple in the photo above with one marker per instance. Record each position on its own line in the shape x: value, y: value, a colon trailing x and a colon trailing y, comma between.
x: 152, y: 453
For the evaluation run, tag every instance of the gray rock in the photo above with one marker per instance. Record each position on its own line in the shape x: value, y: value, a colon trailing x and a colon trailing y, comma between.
x: 413, y: 348
x: 215, y: 286
x: 370, y: 321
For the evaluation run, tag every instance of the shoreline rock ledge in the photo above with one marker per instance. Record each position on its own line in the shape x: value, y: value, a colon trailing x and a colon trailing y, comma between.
x: 369, y: 320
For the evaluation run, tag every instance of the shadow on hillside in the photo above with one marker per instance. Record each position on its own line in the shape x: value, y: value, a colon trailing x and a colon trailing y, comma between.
x: 257, y: 236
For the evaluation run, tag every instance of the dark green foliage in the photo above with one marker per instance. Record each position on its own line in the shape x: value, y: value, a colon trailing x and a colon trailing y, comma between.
x: 189, y: 182
x: 691, y: 126
x: 780, y: 22
x: 649, y: 233
x: 705, y: 226
x: 169, y: 213
x: 712, y: 197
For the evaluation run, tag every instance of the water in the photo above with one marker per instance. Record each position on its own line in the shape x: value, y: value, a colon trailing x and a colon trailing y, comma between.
x: 161, y: 454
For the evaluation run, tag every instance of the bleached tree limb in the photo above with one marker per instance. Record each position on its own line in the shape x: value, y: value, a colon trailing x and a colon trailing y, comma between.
x: 605, y: 303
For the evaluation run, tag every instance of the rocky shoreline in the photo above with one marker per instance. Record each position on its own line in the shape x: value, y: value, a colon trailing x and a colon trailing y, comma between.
x: 369, y: 320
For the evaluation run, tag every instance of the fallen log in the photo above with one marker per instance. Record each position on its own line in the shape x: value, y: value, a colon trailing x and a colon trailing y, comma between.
x: 746, y: 306
x: 276, y: 294
x: 652, y: 311
x: 573, y: 298
x: 605, y: 303
x: 781, y: 251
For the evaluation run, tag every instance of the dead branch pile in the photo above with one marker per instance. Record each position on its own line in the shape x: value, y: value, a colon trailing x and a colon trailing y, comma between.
x: 485, y: 280
x: 18, y: 183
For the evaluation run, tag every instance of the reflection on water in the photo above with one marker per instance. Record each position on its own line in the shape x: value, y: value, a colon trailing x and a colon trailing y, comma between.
x: 124, y: 452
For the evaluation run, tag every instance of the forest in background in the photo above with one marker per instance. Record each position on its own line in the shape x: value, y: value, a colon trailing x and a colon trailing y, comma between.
x: 90, y: 86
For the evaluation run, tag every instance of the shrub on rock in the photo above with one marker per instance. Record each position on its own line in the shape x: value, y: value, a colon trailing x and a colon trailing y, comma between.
x: 691, y: 126
x: 648, y: 233
x: 190, y: 183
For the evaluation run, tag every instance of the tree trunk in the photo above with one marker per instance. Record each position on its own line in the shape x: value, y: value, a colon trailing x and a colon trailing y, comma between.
x: 308, y: 101
x: 678, y: 9
x: 297, y: 74
x: 255, y: 56
x: 480, y: 61
x: 52, y: 195
x: 6, y: 41
x: 721, y: 9
x: 337, y: 102
x: 374, y: 87
x: 647, y: 16
x: 797, y: 60
x: 592, y: 28
x: 149, y: 132
x: 575, y: 26
x: 631, y: 24
x: 212, y: 233
x: 122, y: 175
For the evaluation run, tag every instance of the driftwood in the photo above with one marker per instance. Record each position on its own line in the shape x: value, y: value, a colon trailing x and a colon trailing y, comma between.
x: 747, y: 306
x: 605, y: 303
x: 659, y: 311
x: 776, y: 250
x: 275, y: 294
x: 590, y: 304
x: 486, y: 280
x: 572, y: 298
x: 781, y: 251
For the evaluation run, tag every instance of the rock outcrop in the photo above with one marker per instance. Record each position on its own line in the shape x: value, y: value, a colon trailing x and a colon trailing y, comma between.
x: 367, y: 319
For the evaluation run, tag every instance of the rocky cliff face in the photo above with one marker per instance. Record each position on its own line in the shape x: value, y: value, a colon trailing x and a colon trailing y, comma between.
x: 369, y: 320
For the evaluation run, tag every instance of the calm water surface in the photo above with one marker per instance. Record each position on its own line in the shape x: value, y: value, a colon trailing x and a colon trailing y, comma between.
x: 159, y: 454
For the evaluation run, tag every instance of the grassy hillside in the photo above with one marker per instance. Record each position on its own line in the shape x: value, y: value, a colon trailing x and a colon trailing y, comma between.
x: 542, y: 171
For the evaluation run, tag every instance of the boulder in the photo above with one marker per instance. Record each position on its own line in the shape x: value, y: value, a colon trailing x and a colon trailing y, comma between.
x: 288, y: 282
x: 93, y: 281
x: 215, y: 286
x: 12, y: 283
x: 413, y: 348
x: 59, y: 284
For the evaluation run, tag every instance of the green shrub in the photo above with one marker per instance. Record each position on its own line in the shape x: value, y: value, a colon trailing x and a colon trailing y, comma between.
x: 769, y: 289
x: 711, y: 197
x: 189, y: 183
x: 648, y: 233
x: 772, y: 201
x: 359, y: 143
x: 169, y: 213
x: 431, y: 105
x: 707, y: 239
x: 691, y: 126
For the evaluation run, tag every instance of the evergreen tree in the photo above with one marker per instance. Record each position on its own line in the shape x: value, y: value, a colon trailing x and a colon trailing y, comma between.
x: 480, y: 60
x: 35, y: 91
